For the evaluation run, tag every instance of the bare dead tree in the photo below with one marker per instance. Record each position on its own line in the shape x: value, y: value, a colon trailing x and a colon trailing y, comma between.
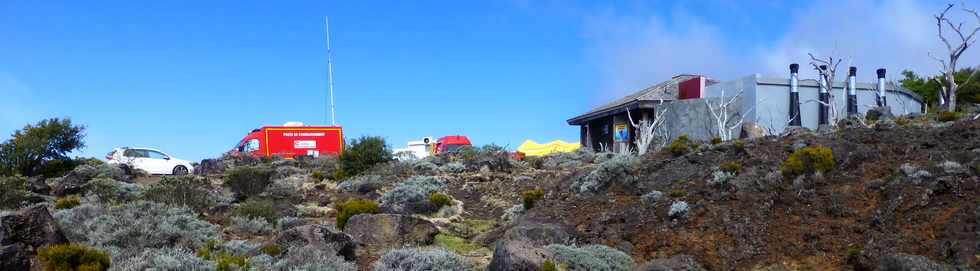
x: 649, y: 131
x: 727, y: 120
x: 967, y: 36
x: 827, y: 75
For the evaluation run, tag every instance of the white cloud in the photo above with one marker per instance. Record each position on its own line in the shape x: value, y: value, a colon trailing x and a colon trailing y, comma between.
x: 895, y: 34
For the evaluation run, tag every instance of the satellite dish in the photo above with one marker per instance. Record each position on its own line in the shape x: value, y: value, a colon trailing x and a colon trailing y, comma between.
x: 426, y: 140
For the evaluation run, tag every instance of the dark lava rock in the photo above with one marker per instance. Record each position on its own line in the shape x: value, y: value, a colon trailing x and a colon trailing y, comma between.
x: 15, y: 257
x: 34, y: 227
x: 74, y: 182
x: 317, y: 236
x: 37, y: 185
x: 907, y: 262
x: 675, y: 263
x: 208, y: 166
x: 391, y: 230
x: 522, y: 246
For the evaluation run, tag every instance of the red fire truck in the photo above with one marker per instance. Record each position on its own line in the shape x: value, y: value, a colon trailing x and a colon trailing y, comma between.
x: 291, y: 140
x: 451, y: 143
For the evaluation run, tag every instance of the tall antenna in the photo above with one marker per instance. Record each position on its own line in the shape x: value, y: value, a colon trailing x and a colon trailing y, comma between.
x: 333, y: 117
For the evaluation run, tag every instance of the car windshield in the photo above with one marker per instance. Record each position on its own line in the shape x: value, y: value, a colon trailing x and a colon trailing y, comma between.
x: 453, y: 147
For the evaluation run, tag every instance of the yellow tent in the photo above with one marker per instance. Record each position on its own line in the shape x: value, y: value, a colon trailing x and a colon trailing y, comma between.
x: 531, y: 148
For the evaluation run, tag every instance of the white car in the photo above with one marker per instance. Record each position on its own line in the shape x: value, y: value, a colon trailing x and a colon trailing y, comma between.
x: 150, y: 160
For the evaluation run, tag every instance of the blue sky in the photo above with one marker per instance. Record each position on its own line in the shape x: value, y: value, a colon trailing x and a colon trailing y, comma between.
x: 192, y: 78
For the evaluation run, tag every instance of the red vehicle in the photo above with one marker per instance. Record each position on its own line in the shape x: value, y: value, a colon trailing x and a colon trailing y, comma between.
x: 290, y: 141
x: 448, y: 144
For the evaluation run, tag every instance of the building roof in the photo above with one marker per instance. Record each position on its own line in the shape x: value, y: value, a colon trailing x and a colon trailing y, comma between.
x: 645, y: 98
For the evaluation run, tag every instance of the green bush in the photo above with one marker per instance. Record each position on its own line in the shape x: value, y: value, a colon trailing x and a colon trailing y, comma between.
x: 67, y: 202
x: 225, y: 261
x: 680, y: 145
x: 13, y: 191
x: 318, y: 176
x: 440, y: 199
x: 530, y: 197
x: 809, y: 160
x: 591, y: 257
x: 257, y: 208
x: 362, y: 154
x: 947, y: 116
x: 715, y: 140
x: 248, y: 181
x: 549, y: 265
x: 30, y: 148
x: 739, y: 145
x: 731, y: 167
x: 678, y: 193
x: 182, y: 191
x: 273, y: 250
x: 72, y: 257
x: 354, y: 207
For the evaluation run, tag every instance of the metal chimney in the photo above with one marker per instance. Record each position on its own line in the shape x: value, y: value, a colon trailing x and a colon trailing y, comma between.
x: 794, y: 94
x: 882, y: 99
x: 852, y: 107
x: 824, y: 107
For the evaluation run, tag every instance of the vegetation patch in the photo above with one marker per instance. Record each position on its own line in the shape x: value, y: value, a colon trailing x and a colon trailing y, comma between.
x: 440, y: 199
x: 947, y: 116
x: 67, y: 202
x: 808, y: 160
x: 182, y: 191
x: 72, y: 257
x: 354, y: 207
x: 680, y: 145
x: 362, y: 154
x: 591, y: 257
x: 248, y: 181
x: 456, y: 244
x: 530, y: 197
x: 264, y: 209
x: 13, y: 191
x: 731, y: 167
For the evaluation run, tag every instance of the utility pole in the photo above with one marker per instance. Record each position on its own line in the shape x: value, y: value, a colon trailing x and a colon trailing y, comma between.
x: 333, y: 116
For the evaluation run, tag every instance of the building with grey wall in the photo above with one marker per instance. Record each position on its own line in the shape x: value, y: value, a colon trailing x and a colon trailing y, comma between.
x: 683, y: 102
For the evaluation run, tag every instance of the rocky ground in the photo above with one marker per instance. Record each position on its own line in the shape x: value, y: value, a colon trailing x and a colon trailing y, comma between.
x: 898, y: 195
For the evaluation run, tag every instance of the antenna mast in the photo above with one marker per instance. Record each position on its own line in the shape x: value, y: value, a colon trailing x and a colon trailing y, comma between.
x: 333, y: 117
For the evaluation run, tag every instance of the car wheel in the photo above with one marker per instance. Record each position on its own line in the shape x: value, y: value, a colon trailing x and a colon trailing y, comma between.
x: 180, y: 170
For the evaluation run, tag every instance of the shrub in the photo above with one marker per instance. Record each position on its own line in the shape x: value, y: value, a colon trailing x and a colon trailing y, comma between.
x: 289, y: 222
x: 739, y: 145
x: 167, y: 258
x: 273, y: 250
x: 318, y: 176
x: 338, y: 175
x: 415, y: 189
x: 853, y: 255
x: 72, y: 221
x: 440, y: 199
x: 591, y: 257
x: 678, y: 193
x: 109, y: 191
x: 716, y: 140
x: 731, y: 167
x: 247, y: 181
x: 256, y: 208
x: 36, y: 144
x: 680, y: 145
x: 678, y: 209
x: 67, y: 202
x: 425, y: 168
x: 72, y: 257
x: 512, y: 213
x: 549, y: 265
x: 13, y: 192
x: 652, y: 197
x: 148, y: 225
x: 305, y: 258
x: 529, y: 197
x: 619, y: 168
x: 363, y: 153
x: 362, y: 184
x: 182, y: 191
x: 453, y: 167
x: 354, y: 207
x: 808, y: 160
x: 225, y: 261
x: 409, y: 259
x: 947, y: 116
x: 720, y: 178
x: 254, y: 226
